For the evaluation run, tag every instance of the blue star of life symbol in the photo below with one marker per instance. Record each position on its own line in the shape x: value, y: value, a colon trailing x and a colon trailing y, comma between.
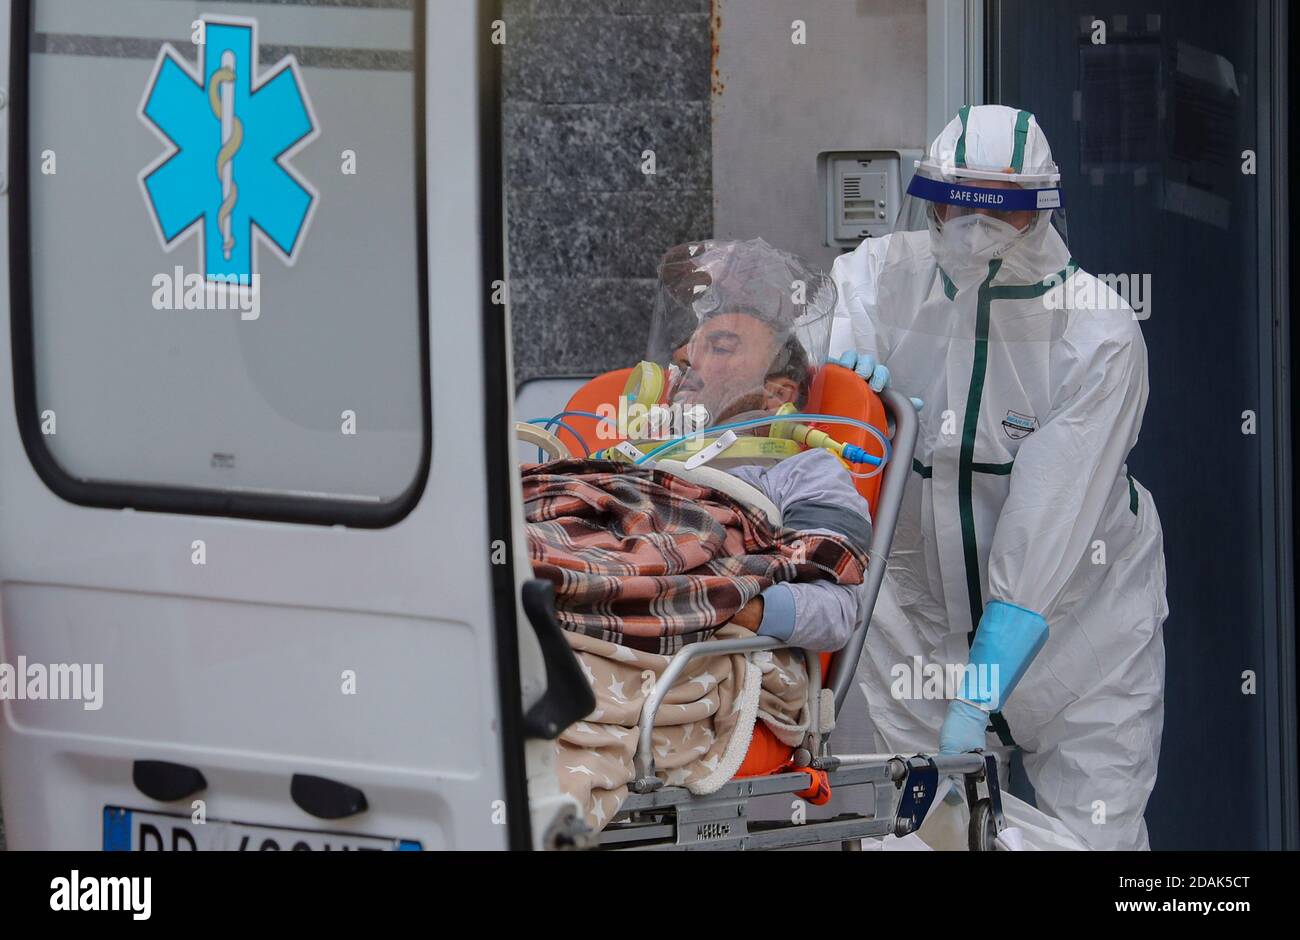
x: 230, y: 134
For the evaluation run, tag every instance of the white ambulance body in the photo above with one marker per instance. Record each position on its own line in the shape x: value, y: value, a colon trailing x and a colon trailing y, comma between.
x: 285, y: 532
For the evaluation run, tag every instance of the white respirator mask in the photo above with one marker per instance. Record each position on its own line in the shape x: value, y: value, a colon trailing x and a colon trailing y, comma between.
x: 972, y: 241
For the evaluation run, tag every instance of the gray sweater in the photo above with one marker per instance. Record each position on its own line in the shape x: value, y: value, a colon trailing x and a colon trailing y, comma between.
x: 814, y: 493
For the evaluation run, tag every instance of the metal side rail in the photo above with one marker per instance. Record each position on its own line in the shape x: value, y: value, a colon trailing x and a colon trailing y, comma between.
x: 674, y: 819
x: 892, y: 485
x: 646, y: 781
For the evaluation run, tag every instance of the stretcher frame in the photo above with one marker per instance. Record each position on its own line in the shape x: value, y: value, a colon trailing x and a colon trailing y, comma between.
x: 660, y: 817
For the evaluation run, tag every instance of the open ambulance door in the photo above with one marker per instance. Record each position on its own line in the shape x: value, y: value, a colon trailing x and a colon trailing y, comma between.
x: 256, y: 479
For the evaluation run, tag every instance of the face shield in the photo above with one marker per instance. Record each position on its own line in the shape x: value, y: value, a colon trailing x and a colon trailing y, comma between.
x: 989, y: 191
x: 739, y: 329
x: 976, y: 215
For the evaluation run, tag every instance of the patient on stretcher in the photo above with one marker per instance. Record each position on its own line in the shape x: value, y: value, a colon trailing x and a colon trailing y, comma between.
x: 651, y: 556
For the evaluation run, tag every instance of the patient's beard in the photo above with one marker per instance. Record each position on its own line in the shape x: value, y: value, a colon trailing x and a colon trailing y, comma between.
x: 754, y: 401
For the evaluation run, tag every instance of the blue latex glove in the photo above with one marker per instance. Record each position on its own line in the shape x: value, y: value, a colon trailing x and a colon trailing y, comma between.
x: 963, y: 728
x: 1006, y: 642
x: 875, y: 374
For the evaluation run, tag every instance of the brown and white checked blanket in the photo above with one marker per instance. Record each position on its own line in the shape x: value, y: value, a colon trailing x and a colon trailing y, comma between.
x: 650, y: 561
x: 644, y: 562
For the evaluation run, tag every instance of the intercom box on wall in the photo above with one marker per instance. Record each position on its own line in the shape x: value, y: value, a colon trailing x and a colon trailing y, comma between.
x: 862, y: 191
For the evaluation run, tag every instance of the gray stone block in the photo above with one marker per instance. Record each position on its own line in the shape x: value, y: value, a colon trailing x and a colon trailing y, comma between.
x: 619, y: 7
x: 607, y: 59
x: 598, y: 148
x: 578, y: 325
x: 588, y: 87
x: 612, y: 235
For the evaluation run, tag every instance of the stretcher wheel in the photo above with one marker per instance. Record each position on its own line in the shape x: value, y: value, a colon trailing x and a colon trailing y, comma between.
x: 983, y: 826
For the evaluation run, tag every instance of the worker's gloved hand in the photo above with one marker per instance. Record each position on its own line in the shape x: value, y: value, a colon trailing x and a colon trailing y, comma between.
x: 963, y: 728
x: 1006, y: 642
x: 875, y: 374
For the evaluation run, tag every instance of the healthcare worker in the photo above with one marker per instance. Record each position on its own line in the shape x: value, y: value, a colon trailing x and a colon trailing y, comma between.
x: 1024, y: 548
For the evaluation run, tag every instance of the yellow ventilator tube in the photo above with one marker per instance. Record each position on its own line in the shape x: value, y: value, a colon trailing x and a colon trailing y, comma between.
x: 803, y: 434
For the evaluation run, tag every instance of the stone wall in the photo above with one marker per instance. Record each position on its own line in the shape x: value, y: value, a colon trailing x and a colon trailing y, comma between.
x: 588, y: 86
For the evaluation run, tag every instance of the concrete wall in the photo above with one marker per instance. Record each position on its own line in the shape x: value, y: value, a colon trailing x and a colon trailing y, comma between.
x: 858, y: 83
x: 588, y: 85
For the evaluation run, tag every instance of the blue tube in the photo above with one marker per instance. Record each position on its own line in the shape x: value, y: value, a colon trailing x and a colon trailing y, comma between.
x: 556, y: 422
x: 758, y: 422
x: 569, y: 414
x: 852, y: 454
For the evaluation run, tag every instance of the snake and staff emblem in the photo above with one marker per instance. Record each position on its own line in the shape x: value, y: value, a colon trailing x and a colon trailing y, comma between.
x: 226, y: 114
x: 221, y: 94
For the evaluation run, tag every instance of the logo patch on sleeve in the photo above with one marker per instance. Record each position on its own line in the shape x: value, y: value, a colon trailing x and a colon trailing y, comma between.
x: 1019, y: 426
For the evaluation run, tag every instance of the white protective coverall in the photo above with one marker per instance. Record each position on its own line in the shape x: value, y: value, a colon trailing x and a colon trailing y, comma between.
x: 1034, y: 392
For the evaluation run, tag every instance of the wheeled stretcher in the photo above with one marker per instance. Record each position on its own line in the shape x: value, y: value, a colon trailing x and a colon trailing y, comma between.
x: 898, y: 789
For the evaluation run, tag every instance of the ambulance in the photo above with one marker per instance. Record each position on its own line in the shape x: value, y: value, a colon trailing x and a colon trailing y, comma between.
x: 256, y: 553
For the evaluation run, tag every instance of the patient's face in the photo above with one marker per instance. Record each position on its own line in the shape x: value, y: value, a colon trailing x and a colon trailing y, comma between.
x: 726, y: 362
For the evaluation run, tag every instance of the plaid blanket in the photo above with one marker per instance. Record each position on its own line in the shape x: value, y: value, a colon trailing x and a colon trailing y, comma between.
x: 650, y: 561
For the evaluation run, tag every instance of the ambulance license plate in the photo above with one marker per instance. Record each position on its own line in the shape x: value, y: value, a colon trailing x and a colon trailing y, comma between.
x: 134, y: 830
